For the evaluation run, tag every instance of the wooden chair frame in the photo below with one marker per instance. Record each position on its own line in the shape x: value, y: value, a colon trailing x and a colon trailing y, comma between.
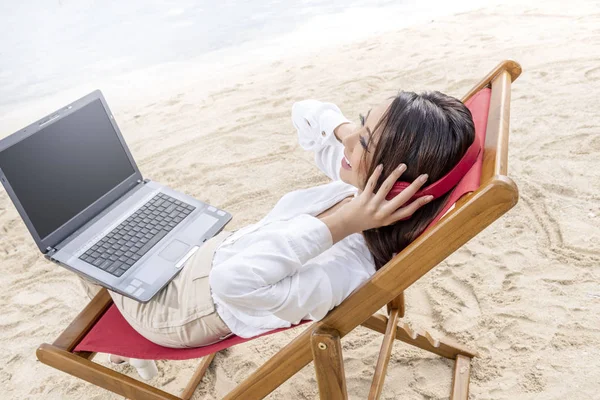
x: 321, y: 340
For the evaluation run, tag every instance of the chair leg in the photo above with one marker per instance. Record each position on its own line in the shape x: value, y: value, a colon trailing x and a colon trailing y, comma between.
x: 460, y: 381
x: 424, y: 341
x: 189, y: 390
x: 462, y: 356
x: 329, y: 365
x: 384, y: 355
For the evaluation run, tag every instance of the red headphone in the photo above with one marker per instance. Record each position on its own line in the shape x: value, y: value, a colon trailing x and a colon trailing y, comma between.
x: 447, y: 182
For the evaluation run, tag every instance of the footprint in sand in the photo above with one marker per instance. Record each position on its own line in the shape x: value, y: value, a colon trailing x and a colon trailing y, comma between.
x: 461, y: 309
x: 514, y: 259
x: 593, y: 74
x: 510, y: 281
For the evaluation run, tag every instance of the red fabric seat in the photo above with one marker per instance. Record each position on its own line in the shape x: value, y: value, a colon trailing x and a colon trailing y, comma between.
x: 112, y: 334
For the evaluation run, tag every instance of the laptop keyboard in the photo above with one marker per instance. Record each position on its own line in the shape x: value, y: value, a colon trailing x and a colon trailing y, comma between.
x: 122, y: 247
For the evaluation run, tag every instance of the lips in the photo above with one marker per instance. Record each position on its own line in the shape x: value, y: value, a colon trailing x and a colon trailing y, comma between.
x: 345, y: 163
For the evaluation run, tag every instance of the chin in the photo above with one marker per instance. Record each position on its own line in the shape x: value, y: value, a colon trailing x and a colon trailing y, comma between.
x: 347, y: 179
x: 343, y: 177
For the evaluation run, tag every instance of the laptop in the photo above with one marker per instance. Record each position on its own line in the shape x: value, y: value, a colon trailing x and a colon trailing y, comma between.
x: 74, y: 182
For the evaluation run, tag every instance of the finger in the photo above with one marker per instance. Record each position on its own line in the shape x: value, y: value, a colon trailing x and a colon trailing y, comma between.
x: 406, y: 194
x: 370, y: 186
x: 387, y: 185
x: 409, y: 209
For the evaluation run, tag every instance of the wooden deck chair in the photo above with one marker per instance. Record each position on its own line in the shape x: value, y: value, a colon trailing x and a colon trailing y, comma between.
x: 493, y: 195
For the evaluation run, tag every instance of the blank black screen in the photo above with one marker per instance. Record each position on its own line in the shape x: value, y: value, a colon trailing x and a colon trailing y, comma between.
x: 66, y: 166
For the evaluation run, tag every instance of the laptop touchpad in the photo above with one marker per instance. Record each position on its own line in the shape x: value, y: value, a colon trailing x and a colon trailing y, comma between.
x: 174, y: 251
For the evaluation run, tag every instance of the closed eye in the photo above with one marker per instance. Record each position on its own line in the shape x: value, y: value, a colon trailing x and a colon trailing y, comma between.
x: 363, y: 142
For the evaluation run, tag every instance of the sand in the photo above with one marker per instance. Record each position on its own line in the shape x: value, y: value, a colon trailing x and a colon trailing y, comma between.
x: 524, y: 293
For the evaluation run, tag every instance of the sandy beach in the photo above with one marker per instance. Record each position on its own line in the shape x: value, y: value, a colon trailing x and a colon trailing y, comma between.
x: 524, y: 293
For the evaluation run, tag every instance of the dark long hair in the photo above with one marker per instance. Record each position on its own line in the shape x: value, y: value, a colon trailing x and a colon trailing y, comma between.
x: 429, y: 132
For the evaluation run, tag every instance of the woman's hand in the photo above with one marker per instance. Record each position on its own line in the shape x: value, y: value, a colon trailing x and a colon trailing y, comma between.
x: 371, y: 210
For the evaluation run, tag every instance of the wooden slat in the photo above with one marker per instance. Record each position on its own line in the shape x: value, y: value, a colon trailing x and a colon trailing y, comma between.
x: 384, y: 355
x: 447, y: 348
x: 84, y: 321
x: 189, y: 390
x: 512, y: 67
x: 99, y: 375
x: 460, y: 382
x: 495, y: 154
x: 329, y: 365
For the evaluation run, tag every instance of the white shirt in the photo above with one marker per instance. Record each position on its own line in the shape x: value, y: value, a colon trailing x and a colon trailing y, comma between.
x: 284, y: 268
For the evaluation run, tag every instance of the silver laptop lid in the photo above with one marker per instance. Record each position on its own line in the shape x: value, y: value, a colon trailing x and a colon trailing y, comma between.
x: 63, y: 170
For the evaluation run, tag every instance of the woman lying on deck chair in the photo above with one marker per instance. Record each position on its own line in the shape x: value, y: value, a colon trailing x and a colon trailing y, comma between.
x: 318, y: 244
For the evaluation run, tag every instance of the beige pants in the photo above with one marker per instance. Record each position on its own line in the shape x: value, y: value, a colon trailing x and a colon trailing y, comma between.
x: 183, y: 313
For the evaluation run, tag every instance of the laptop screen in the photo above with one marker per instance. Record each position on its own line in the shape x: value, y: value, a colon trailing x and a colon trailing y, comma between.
x: 66, y: 166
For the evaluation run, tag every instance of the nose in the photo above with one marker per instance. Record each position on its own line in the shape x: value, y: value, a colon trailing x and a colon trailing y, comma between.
x: 349, y: 141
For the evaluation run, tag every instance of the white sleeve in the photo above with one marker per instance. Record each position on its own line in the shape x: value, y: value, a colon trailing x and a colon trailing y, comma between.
x: 275, y: 274
x: 315, y: 122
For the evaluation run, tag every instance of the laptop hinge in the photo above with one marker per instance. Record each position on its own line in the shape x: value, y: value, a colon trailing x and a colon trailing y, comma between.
x: 49, y: 252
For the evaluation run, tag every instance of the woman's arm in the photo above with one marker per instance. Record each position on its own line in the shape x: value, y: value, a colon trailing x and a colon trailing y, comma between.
x: 315, y: 123
x: 277, y: 273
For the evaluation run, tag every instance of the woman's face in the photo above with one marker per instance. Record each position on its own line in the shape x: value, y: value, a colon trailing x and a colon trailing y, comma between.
x: 357, y: 142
